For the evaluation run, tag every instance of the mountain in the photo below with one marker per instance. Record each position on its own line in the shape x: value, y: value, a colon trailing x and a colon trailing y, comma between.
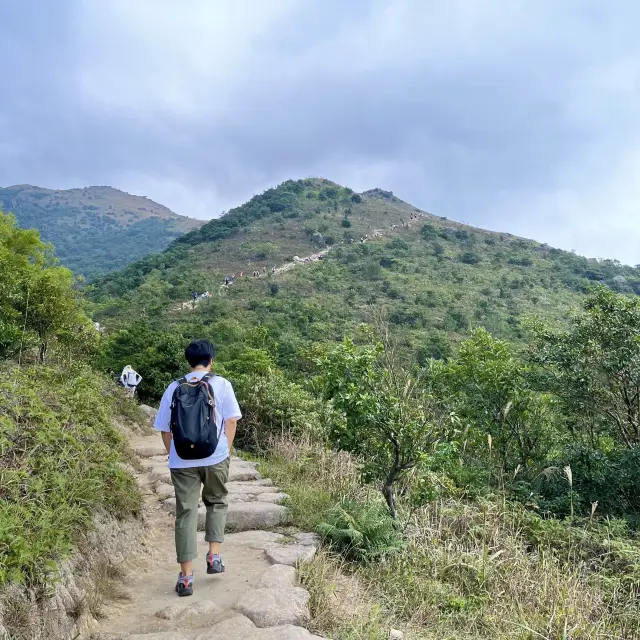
x: 95, y: 229
x: 433, y: 278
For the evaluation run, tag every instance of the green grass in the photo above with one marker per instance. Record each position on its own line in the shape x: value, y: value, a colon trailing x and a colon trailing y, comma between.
x: 60, y: 461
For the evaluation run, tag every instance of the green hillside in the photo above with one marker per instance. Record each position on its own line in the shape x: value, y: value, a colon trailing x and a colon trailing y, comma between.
x: 95, y: 229
x: 436, y: 279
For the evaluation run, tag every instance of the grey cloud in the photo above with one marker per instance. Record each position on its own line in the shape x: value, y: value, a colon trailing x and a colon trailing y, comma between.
x: 518, y: 117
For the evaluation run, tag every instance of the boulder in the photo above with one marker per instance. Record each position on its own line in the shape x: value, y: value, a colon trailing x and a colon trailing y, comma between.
x: 243, y: 516
x: 148, y: 411
x: 149, y: 447
x: 267, y: 607
x: 395, y: 634
x: 290, y: 554
x: 242, y: 497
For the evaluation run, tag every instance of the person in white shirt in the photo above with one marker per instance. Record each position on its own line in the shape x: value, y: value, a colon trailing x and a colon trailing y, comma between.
x: 130, y: 379
x: 209, y: 474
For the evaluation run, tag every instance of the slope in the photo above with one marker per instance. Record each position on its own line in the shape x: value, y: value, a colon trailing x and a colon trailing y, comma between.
x: 95, y: 229
x: 434, y: 278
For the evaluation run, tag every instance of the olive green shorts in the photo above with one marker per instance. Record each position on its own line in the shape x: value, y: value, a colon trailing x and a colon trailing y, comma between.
x: 187, y: 484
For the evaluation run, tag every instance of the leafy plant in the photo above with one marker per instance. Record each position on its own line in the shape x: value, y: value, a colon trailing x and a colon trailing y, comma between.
x: 360, y: 530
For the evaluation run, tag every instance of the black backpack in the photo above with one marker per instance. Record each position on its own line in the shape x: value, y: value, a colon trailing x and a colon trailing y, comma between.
x: 193, y: 418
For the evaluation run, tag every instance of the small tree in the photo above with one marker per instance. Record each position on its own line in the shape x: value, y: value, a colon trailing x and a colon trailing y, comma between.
x: 387, y: 416
x: 594, y: 368
x: 492, y: 391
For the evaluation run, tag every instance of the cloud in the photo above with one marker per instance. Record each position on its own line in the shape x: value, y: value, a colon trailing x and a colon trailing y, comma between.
x: 515, y: 116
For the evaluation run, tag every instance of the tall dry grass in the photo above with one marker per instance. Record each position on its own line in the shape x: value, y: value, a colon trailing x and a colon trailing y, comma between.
x: 484, y: 569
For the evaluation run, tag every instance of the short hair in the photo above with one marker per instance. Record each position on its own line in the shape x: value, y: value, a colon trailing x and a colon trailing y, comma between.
x: 199, y: 352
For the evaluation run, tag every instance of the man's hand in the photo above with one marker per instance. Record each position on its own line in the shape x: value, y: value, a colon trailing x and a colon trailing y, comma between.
x: 167, y: 437
x: 230, y: 425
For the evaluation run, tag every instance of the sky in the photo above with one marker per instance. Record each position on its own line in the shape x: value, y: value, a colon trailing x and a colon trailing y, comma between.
x: 514, y: 115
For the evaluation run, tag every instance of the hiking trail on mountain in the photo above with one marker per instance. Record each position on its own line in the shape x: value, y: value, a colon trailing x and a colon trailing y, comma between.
x: 258, y: 596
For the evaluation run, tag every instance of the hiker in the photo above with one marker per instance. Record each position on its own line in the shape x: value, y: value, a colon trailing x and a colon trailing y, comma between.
x: 226, y: 280
x: 198, y: 455
x: 130, y: 379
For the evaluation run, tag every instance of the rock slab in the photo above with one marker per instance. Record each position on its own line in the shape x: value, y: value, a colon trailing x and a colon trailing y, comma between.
x: 290, y: 554
x: 268, y: 607
x: 243, y: 516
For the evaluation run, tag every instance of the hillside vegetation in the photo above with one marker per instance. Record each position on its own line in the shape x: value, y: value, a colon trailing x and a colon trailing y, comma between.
x: 436, y: 279
x: 455, y: 411
x: 62, y: 459
x: 95, y: 229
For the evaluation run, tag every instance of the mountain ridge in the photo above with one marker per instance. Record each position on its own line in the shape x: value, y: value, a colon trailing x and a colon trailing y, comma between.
x: 95, y: 229
x: 437, y: 279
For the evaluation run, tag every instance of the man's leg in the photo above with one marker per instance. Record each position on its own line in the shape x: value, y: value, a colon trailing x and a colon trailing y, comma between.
x: 187, y: 487
x: 214, y: 496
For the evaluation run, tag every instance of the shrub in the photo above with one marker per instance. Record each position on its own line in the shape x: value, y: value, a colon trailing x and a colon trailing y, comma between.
x: 360, y: 530
x: 346, y: 223
x: 59, y: 462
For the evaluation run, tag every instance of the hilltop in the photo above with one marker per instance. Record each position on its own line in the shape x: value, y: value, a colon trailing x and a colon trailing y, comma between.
x: 435, y: 278
x: 95, y: 229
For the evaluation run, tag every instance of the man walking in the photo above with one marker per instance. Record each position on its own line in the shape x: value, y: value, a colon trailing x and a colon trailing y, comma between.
x: 198, y: 415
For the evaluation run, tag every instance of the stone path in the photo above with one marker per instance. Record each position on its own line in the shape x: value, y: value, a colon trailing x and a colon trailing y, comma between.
x: 257, y: 598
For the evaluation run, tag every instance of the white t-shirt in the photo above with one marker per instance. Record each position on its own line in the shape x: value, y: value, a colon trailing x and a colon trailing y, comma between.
x: 226, y: 407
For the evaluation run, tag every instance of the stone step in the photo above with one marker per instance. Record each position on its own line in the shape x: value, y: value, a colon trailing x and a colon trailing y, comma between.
x: 240, y: 627
x: 244, y: 516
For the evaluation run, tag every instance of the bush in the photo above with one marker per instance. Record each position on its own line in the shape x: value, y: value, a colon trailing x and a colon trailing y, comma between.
x: 273, y: 406
x: 360, y: 530
x: 60, y: 461
x: 346, y: 223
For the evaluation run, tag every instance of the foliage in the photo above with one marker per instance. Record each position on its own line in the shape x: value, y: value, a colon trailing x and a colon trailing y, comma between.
x: 387, y: 417
x: 38, y: 301
x: 95, y: 230
x: 158, y: 354
x: 60, y: 461
x: 360, y: 530
x: 594, y: 368
x: 273, y: 406
x: 487, y: 569
x: 504, y: 416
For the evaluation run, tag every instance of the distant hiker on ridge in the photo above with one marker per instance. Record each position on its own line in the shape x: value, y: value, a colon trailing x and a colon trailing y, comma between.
x: 130, y: 379
x: 197, y: 417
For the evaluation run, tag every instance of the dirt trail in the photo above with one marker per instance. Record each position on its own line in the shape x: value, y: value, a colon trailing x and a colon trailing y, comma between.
x: 257, y: 598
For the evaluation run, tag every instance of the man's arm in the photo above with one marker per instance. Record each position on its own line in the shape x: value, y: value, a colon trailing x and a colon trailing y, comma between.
x: 230, y: 425
x: 167, y: 436
x: 163, y: 419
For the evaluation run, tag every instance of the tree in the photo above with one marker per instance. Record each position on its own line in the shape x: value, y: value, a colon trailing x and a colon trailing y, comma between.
x: 594, y: 368
x: 387, y: 416
x: 38, y: 301
x: 491, y: 389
